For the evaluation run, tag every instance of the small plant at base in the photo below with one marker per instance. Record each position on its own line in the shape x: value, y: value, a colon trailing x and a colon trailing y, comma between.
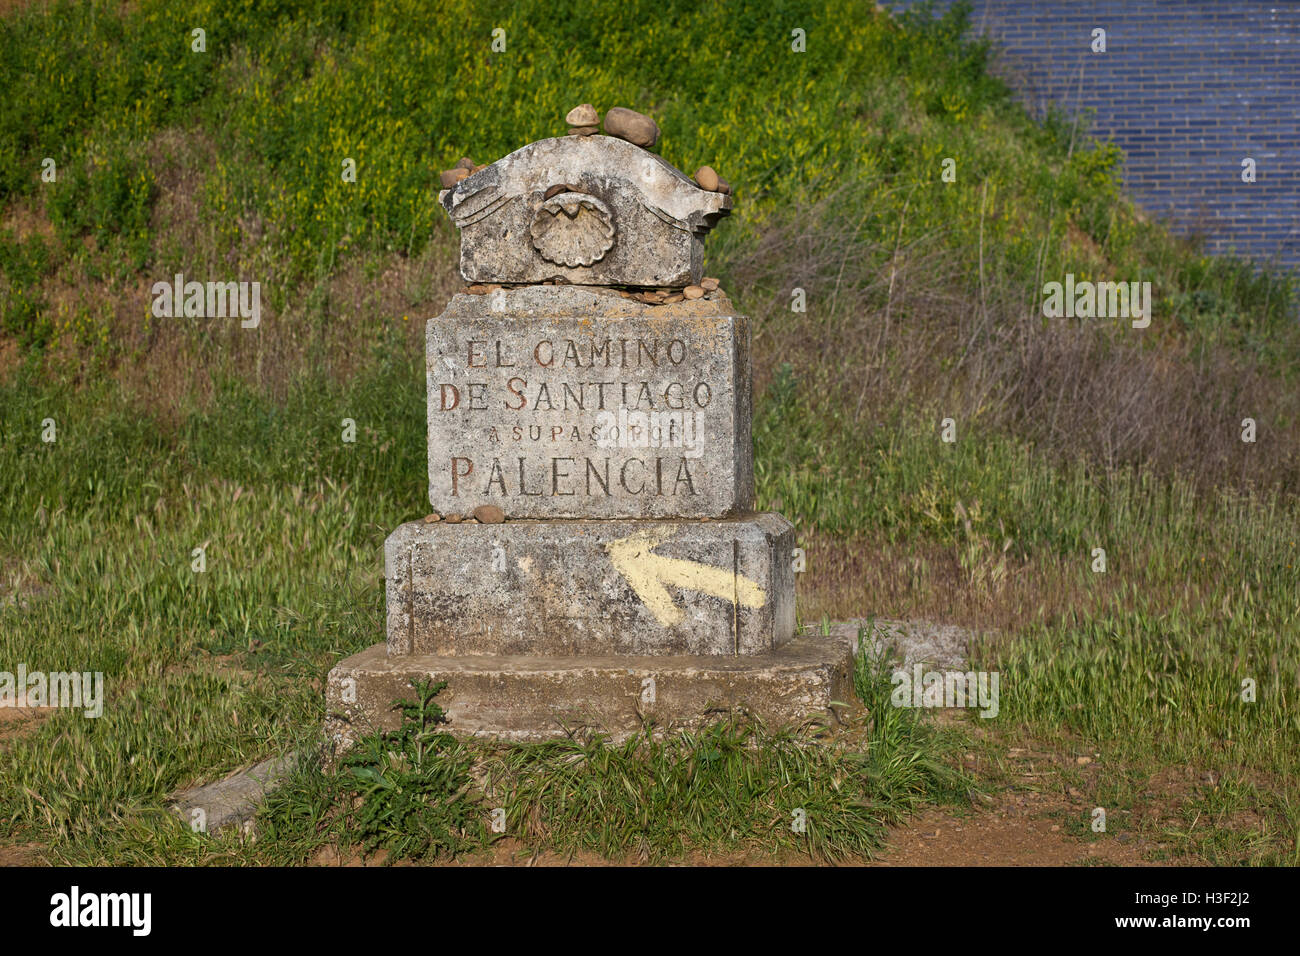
x: 410, y: 790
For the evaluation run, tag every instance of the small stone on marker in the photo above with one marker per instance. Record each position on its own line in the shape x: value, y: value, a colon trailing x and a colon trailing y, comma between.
x: 489, y: 514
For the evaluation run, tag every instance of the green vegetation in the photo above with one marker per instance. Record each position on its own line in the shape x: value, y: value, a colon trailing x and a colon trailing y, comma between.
x: 733, y: 786
x: 922, y: 304
x: 410, y: 789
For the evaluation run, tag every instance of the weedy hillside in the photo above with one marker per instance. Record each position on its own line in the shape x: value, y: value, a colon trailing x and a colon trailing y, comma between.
x: 922, y: 303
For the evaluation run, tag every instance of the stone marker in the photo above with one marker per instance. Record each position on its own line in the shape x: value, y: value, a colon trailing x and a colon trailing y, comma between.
x: 597, y: 561
x: 628, y: 218
x: 571, y: 402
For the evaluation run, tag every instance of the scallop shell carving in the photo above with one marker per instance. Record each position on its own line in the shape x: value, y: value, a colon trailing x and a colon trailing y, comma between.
x: 572, y: 229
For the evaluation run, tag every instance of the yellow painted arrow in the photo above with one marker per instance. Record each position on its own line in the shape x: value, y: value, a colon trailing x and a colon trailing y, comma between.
x: 649, y: 574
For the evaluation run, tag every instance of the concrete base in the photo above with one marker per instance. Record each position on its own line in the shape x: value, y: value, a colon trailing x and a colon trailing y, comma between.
x: 522, y: 698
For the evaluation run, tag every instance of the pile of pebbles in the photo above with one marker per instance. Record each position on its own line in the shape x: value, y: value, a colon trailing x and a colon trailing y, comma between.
x: 640, y: 130
x: 466, y: 167
x: 637, y: 128
x: 665, y: 296
x: 483, y: 514
x: 707, y: 178
x: 585, y: 121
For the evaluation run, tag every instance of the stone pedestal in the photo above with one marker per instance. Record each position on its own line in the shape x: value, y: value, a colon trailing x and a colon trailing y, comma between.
x: 519, y: 697
x: 630, y: 579
x: 591, y: 587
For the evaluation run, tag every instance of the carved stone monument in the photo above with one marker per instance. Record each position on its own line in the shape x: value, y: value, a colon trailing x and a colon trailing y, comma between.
x: 596, y: 420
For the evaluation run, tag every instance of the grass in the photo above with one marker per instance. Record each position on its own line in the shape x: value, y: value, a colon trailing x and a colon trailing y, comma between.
x: 208, y: 672
x: 922, y: 305
x: 734, y: 786
x: 419, y: 794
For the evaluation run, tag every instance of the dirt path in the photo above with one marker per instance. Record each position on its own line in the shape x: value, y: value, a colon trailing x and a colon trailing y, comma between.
x: 1022, y: 828
x: 1014, y: 833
